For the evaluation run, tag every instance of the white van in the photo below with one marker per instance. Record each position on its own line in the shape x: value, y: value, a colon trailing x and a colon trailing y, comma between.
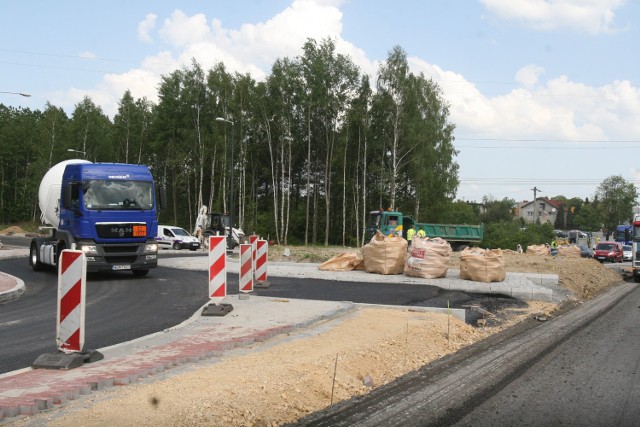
x: 170, y: 236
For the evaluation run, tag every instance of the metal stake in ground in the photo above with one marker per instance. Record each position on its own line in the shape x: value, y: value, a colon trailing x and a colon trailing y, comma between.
x: 72, y: 278
x: 217, y: 278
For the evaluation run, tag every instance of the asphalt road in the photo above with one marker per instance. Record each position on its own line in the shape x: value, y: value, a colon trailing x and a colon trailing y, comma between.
x: 591, y: 379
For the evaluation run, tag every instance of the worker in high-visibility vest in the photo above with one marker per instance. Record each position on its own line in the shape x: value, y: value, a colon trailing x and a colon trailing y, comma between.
x: 410, y: 232
x: 421, y: 233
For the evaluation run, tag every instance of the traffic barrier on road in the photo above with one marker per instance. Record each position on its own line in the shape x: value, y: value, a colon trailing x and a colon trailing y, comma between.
x: 246, y: 268
x: 262, y: 249
x: 72, y: 277
x: 70, y: 331
x: 217, y: 268
x: 217, y: 277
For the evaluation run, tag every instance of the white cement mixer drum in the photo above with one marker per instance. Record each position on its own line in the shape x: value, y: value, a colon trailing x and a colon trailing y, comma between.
x: 49, y: 192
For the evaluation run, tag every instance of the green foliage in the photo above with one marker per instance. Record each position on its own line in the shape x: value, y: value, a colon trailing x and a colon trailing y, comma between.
x: 616, y: 199
x: 497, y: 210
x: 507, y: 235
x: 461, y: 213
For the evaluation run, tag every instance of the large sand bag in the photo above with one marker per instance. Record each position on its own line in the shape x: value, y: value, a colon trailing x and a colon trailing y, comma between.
x: 482, y: 265
x: 538, y: 249
x: 384, y: 254
x: 344, y: 262
x: 428, y: 258
x: 569, y: 251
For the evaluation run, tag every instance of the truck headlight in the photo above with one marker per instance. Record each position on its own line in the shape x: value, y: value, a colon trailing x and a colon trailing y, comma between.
x: 89, y: 249
x: 151, y: 247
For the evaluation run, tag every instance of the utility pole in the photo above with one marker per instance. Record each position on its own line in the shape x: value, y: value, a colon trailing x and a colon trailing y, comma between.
x: 535, y: 206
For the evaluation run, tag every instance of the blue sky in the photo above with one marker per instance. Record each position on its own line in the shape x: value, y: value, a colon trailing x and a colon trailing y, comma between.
x: 543, y: 93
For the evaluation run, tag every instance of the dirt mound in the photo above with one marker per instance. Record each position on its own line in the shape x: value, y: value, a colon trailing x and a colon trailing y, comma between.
x: 14, y: 229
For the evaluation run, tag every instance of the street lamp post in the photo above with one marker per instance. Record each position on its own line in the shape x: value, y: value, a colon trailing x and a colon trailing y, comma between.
x: 71, y: 150
x: 26, y: 95
x: 231, y: 201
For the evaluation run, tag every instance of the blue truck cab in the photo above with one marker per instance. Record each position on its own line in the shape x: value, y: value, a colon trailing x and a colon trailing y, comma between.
x: 107, y: 210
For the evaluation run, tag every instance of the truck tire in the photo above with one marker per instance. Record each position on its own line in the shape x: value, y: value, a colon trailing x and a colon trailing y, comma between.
x: 177, y: 246
x: 34, y: 258
x: 140, y: 273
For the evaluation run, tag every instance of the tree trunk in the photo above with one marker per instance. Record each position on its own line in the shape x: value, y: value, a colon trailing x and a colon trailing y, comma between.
x: 306, y: 225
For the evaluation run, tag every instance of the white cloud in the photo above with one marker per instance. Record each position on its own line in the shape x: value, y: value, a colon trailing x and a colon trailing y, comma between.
x: 593, y: 16
x: 528, y: 75
x: 145, y: 26
x: 555, y: 109
x: 181, y: 30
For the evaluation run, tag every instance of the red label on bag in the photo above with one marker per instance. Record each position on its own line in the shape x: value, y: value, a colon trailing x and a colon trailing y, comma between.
x: 417, y: 253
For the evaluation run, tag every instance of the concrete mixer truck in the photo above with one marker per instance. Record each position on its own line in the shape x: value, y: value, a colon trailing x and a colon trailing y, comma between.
x: 107, y: 210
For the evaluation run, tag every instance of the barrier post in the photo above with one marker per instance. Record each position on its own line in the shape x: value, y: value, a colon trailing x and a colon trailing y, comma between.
x: 70, y: 319
x: 262, y: 251
x: 217, y: 278
x: 246, y: 268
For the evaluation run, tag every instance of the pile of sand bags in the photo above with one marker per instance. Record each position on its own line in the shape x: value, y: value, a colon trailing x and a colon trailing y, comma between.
x: 538, y: 249
x: 482, y: 265
x: 384, y: 254
x: 344, y: 262
x: 428, y: 258
x: 569, y: 251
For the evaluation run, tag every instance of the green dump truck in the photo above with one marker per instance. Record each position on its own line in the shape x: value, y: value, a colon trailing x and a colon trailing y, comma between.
x: 393, y: 222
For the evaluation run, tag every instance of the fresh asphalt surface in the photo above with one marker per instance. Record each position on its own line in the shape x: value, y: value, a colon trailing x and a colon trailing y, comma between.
x: 121, y: 307
x: 593, y: 378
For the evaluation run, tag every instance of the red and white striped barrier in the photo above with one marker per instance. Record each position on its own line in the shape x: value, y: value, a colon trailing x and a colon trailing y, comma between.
x: 246, y: 268
x: 217, y: 268
x: 253, y: 239
x: 72, y: 278
x: 261, y: 260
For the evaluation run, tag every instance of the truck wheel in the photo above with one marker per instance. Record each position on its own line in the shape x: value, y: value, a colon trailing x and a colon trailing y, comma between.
x: 140, y: 273
x: 176, y: 246
x: 34, y: 258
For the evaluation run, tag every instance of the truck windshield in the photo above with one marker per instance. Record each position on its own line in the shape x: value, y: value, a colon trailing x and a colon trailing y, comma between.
x: 117, y: 194
x: 374, y: 219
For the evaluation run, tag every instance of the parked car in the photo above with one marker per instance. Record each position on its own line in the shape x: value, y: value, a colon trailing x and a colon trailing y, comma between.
x: 608, y: 251
x: 170, y: 236
x: 585, y: 251
x: 627, y: 252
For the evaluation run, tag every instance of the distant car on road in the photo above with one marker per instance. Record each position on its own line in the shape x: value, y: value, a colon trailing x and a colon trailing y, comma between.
x: 177, y: 238
x: 585, y: 252
x: 608, y: 251
x: 627, y: 252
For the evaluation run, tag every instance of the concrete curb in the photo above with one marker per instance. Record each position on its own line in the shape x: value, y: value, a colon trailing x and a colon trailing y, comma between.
x: 11, y: 287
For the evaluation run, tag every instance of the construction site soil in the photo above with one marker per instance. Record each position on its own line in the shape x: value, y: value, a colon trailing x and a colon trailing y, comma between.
x: 286, y: 378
